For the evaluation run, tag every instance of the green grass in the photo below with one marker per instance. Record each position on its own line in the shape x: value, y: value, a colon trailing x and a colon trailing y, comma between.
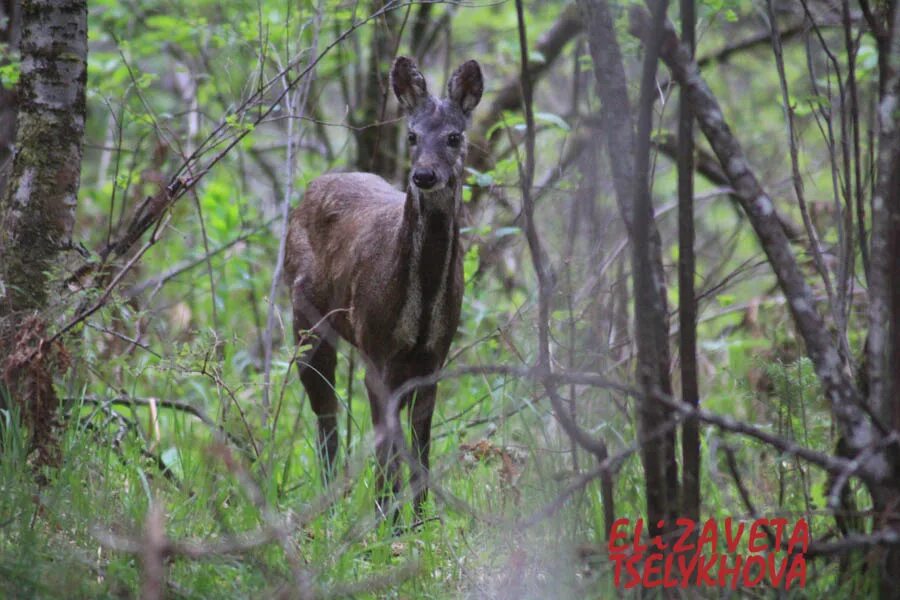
x: 52, y: 538
x: 217, y: 486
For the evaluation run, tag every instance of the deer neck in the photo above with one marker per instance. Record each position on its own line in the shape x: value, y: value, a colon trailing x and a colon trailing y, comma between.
x: 429, y: 238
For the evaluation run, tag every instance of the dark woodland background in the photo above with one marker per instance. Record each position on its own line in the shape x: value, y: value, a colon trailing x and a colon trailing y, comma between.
x: 682, y: 292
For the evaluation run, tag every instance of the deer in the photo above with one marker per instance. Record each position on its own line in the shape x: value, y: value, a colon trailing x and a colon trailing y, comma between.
x: 382, y: 269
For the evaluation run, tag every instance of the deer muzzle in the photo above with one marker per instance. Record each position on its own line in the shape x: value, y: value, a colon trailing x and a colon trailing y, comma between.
x: 424, y: 178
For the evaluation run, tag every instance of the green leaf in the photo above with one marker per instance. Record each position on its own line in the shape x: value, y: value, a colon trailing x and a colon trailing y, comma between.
x: 171, y: 458
x: 725, y: 299
x: 585, y: 63
x: 537, y: 57
x: 481, y: 179
x: 866, y: 58
x: 507, y: 119
x: 471, y: 263
x: 505, y: 231
x: 9, y: 75
x: 552, y: 119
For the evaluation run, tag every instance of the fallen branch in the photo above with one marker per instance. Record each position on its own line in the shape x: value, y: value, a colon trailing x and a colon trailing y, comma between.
x: 163, y: 403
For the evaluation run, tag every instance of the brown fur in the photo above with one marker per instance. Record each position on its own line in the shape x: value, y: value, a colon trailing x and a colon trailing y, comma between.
x: 383, y: 270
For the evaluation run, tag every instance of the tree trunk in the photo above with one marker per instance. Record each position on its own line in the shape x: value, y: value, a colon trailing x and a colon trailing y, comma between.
x: 651, y: 306
x: 687, y: 302
x: 853, y: 420
x: 875, y: 457
x: 376, y: 141
x: 38, y: 207
x: 10, y: 26
x: 884, y: 290
x: 37, y: 210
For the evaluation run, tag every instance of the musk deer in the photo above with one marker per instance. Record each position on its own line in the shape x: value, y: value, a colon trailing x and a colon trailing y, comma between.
x: 383, y: 270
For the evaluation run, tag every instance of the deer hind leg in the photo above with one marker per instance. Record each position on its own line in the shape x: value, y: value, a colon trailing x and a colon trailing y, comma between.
x: 420, y: 412
x: 316, y: 366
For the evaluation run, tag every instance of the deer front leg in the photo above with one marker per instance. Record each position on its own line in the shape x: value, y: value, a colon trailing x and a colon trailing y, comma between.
x: 420, y: 420
x: 388, y: 442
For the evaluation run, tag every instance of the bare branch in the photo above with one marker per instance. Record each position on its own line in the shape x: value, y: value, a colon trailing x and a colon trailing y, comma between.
x: 853, y: 417
x: 706, y: 165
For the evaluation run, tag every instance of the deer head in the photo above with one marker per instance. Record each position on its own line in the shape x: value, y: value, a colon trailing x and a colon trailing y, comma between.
x: 436, y: 137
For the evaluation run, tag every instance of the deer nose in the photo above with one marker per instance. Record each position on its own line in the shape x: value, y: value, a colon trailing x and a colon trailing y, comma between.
x: 424, y: 178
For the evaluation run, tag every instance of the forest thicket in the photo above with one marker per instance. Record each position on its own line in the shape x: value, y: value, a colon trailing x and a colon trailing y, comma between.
x: 680, y: 237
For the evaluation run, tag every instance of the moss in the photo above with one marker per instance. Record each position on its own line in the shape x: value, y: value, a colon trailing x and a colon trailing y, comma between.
x: 37, y: 220
x: 37, y: 216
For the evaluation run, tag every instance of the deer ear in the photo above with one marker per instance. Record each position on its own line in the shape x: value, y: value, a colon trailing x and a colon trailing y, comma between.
x: 466, y: 86
x: 409, y: 85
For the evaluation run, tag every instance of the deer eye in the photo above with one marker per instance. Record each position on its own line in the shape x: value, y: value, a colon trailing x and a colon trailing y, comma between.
x: 454, y: 140
x: 411, y: 138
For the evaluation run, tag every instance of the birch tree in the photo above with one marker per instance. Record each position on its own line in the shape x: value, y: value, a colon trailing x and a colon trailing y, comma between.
x: 38, y: 206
